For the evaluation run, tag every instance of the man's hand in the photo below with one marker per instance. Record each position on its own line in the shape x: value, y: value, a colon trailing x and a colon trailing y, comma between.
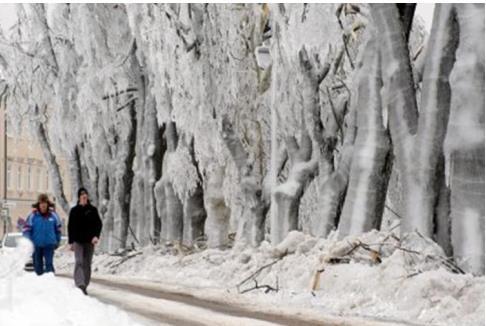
x: 95, y: 241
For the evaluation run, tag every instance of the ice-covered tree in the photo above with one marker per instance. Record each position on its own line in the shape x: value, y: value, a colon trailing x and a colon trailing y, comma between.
x: 195, y: 122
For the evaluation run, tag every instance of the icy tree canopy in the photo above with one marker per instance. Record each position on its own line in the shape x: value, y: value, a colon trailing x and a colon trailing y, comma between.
x: 235, y: 123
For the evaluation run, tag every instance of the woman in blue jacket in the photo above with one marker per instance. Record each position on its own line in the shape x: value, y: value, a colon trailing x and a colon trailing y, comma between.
x: 43, y: 228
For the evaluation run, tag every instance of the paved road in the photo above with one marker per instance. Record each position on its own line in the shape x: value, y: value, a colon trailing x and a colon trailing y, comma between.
x: 161, y: 307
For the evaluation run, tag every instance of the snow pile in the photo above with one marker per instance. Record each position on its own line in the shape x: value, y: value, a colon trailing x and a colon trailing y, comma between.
x: 12, y: 262
x: 374, y: 275
x: 28, y: 299
x: 47, y: 300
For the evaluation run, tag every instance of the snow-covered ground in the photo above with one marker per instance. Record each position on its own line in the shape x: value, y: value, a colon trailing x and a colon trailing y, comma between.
x: 29, y: 300
x: 376, y: 275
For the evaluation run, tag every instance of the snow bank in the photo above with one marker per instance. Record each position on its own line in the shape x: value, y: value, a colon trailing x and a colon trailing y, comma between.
x: 47, y: 300
x: 373, y: 275
x: 28, y: 299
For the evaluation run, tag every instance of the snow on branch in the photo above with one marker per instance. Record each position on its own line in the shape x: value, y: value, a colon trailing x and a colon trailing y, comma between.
x: 313, y: 67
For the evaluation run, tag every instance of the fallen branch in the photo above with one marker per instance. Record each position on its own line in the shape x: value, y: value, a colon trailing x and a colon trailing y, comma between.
x: 124, y: 259
x: 255, y: 275
x: 267, y: 287
x: 316, y: 281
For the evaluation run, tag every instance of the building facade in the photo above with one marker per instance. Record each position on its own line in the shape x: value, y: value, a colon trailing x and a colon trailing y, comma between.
x: 23, y: 176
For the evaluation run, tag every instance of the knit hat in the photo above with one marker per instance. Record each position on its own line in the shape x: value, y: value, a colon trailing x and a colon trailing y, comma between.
x: 82, y: 191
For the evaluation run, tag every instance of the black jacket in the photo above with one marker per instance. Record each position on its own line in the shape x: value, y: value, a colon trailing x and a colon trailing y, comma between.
x: 84, y: 224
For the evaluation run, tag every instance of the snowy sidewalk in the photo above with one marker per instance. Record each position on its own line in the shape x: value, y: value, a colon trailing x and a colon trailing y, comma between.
x: 405, y: 287
x: 30, y: 300
x: 160, y: 304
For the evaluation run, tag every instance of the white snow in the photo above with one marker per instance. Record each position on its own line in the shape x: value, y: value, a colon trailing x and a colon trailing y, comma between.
x: 403, y: 287
x: 192, y: 314
x: 30, y: 300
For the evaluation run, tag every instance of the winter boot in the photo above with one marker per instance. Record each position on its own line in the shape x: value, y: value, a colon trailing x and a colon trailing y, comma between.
x: 83, y: 288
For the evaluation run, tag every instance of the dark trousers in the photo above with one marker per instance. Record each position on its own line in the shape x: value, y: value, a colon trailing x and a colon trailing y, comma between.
x: 43, y: 256
x: 83, y: 256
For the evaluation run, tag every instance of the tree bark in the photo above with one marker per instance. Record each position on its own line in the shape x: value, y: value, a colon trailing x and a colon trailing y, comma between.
x: 125, y: 179
x: 218, y: 213
x: 442, y: 220
x: 252, y: 222
x: 74, y: 171
x: 432, y: 124
x: 398, y: 84
x: 287, y: 196
x: 417, y: 141
x: 169, y: 206
x: 194, y: 210
x: 369, y: 171
x: 465, y: 141
x: 52, y: 164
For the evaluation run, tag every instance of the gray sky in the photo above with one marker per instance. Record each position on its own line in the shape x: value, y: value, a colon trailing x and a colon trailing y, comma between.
x: 7, y: 15
x: 426, y: 11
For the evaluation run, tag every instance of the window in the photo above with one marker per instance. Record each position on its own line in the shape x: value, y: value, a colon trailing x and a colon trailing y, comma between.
x: 19, y: 177
x: 38, y: 180
x: 9, y: 176
x: 29, y: 178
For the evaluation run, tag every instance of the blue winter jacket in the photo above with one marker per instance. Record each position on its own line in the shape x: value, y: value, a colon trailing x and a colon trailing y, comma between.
x: 43, y: 230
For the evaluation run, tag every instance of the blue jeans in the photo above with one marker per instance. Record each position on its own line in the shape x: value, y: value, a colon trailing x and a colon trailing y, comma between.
x: 43, y: 255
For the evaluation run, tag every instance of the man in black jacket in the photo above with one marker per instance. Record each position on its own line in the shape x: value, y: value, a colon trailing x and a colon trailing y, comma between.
x: 84, y: 228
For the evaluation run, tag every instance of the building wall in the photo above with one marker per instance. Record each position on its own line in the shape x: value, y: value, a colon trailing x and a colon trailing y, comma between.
x: 25, y: 175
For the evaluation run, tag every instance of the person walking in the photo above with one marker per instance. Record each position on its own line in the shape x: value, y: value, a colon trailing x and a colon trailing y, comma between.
x: 84, y: 228
x: 43, y: 228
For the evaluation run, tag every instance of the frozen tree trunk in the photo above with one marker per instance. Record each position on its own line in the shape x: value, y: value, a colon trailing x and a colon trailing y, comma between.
x: 74, y: 171
x: 125, y: 179
x: 442, y: 221
x: 89, y: 171
x: 137, y: 198
x: 432, y: 124
x: 103, y: 184
x: 365, y: 197
x: 251, y: 226
x: 465, y: 141
x: 417, y: 142
x: 154, y: 151
x: 303, y: 157
x: 159, y: 194
x: 287, y: 196
x: 137, y: 217
x: 332, y: 192
x: 109, y: 216
x: 174, y: 211
x: 151, y: 219
x: 194, y: 210
x: 169, y: 205
x: 399, y: 91
x: 194, y: 217
x: 333, y: 185
x: 52, y: 165
x: 218, y: 214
